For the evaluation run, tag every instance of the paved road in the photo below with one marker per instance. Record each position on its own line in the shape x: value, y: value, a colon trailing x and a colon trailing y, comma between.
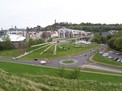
x: 79, y: 60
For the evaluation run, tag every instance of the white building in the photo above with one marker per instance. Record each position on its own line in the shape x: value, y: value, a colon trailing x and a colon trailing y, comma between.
x: 65, y: 32
x: 54, y: 34
x: 13, y: 38
x: 34, y: 35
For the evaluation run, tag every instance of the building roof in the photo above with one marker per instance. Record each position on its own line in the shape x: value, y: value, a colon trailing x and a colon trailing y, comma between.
x: 14, y: 37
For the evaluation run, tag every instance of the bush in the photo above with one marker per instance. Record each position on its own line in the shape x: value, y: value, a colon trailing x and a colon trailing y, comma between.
x: 6, y: 45
x: 73, y: 74
x: 34, y: 42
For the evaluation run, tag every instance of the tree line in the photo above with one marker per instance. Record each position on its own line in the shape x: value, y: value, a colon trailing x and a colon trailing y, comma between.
x: 98, y: 38
x: 85, y: 26
x: 116, y: 41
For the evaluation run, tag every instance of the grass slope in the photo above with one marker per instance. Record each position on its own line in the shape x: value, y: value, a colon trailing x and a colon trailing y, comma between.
x: 21, y: 69
x: 20, y: 77
x: 61, y: 52
x: 99, y: 58
x: 49, y: 53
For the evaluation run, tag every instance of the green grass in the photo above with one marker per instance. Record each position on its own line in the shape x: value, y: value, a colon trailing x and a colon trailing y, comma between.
x: 103, y: 71
x: 61, y: 52
x: 22, y: 69
x: 99, y: 58
x: 21, y: 77
x: 15, y: 52
x: 12, y: 52
x: 73, y: 49
x: 68, y: 61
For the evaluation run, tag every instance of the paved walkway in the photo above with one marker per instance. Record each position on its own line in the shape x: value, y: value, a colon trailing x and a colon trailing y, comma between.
x: 101, y: 68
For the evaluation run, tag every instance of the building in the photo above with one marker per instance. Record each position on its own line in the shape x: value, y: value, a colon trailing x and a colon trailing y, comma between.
x: 17, y: 40
x: 54, y: 34
x: 65, y: 33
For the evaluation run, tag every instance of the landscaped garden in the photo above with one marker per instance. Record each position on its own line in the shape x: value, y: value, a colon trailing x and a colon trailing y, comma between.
x: 61, y: 50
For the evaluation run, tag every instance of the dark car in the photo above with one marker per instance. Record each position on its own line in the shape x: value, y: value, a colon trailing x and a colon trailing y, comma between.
x: 85, y: 54
x: 116, y: 59
x: 35, y: 59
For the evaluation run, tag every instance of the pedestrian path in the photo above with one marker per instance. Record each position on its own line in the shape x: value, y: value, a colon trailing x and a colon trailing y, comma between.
x: 100, y: 68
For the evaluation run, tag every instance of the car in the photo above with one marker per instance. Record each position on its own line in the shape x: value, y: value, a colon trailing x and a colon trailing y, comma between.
x: 13, y: 58
x: 101, y: 53
x: 105, y: 55
x: 42, y: 62
x: 118, y: 54
x: 85, y: 54
x: 35, y: 59
x: 109, y: 57
x: 116, y: 59
x: 92, y: 50
x: 119, y: 60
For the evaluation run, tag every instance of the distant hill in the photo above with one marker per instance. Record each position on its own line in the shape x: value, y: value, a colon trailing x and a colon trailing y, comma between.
x: 85, y: 26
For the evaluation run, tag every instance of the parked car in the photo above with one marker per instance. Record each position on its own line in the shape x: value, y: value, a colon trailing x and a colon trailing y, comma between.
x: 109, y: 57
x: 118, y: 54
x: 85, y: 54
x: 116, y: 59
x: 105, y: 55
x: 101, y: 53
x: 119, y: 60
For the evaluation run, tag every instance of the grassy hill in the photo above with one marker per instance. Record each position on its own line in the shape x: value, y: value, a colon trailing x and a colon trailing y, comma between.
x: 21, y: 77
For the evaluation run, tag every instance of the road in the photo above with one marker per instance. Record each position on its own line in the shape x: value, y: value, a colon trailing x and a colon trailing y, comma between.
x: 79, y: 60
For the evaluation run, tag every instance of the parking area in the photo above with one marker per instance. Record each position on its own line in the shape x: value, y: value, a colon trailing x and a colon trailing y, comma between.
x: 113, y: 55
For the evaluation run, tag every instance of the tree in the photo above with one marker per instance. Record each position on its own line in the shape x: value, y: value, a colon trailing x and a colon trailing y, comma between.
x: 97, y: 38
x: 74, y: 74
x: 6, y: 43
x: 61, y: 72
x: 110, y: 42
x: 118, y: 43
x: 34, y: 42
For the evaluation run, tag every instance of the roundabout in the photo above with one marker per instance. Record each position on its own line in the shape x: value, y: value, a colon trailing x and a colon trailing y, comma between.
x: 68, y: 62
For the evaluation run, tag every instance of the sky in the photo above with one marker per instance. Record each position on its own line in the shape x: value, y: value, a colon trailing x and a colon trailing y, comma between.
x: 30, y: 13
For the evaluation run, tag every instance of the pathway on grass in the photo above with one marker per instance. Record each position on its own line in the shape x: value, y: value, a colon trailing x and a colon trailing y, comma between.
x: 93, y: 66
x: 104, y: 73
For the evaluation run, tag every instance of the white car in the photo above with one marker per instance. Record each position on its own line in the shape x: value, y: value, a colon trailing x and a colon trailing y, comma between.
x: 13, y: 58
x: 109, y: 57
x: 105, y: 55
x: 119, y: 60
x: 101, y: 53
x: 42, y: 62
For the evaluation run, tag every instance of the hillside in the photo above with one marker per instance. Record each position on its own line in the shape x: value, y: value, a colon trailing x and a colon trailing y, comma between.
x: 85, y: 26
x: 20, y: 77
